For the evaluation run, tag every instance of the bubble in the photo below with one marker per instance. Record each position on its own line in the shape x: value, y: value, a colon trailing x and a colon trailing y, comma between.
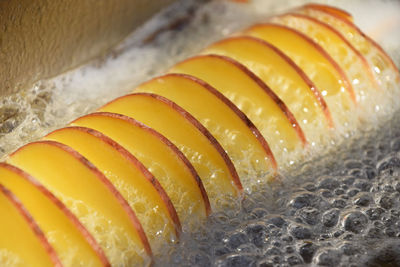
x: 257, y: 233
x: 236, y: 239
x: 309, y: 215
x: 326, y: 193
x: 300, y: 231
x: 294, y: 260
x: 278, y: 221
x: 236, y: 260
x: 338, y: 191
x: 219, y: 251
x: 389, y: 163
x: 328, y: 257
x: 353, y: 192
x: 339, y: 203
x: 258, y: 213
x: 310, y: 187
x: 353, y: 164
x: 362, y: 185
x: 273, y: 251
x: 307, y: 251
x: 248, y: 247
x: 363, y: 199
x: 329, y: 183
x: 330, y: 217
x: 386, y: 202
x: 289, y: 249
x: 266, y: 263
x: 374, y: 232
x: 355, y: 221
x: 395, y: 144
x: 304, y: 200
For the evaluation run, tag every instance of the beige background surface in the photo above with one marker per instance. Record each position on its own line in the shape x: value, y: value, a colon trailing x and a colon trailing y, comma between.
x: 41, y: 38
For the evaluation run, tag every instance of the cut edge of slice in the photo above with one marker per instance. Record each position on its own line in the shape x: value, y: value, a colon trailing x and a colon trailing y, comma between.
x: 200, y: 127
x: 168, y: 143
x: 315, y: 91
x: 70, y: 216
x: 369, y: 39
x: 254, y: 130
x: 338, y: 34
x: 117, y: 195
x: 336, y: 66
x: 32, y: 225
x: 135, y: 162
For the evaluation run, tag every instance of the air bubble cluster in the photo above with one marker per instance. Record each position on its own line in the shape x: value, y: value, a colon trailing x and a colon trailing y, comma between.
x: 341, y: 209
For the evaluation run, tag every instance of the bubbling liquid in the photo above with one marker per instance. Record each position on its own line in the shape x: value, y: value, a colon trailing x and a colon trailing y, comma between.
x: 333, y: 209
x: 341, y: 209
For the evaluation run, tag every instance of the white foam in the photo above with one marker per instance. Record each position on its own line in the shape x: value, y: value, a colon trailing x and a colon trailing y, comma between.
x: 82, y: 90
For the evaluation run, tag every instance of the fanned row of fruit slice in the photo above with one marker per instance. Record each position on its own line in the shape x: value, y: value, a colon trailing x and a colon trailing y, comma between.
x: 114, y: 186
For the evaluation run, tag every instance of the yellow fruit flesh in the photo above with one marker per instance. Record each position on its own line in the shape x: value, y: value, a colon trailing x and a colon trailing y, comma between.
x: 159, y: 158
x: 286, y: 82
x: 244, y: 149
x: 81, y: 190
x: 62, y: 234
x: 165, y: 119
x: 19, y: 245
x: 316, y: 65
x: 126, y: 176
x: 245, y: 93
x: 354, y: 65
x: 382, y: 66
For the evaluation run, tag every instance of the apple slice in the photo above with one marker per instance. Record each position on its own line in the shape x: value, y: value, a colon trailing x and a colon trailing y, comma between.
x: 209, y: 159
x: 316, y: 63
x: 70, y: 239
x: 130, y: 177
x: 331, y: 9
x: 90, y: 196
x: 165, y: 161
x: 249, y: 93
x: 22, y: 242
x: 287, y: 80
x: 243, y: 142
x: 383, y: 66
x: 351, y: 60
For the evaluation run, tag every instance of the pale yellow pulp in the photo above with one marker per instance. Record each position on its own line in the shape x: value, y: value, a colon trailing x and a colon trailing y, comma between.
x: 205, y: 158
x: 159, y: 158
x: 69, y: 243
x: 19, y: 245
x: 243, y: 147
x: 81, y: 190
x: 355, y: 65
x: 315, y: 64
x: 130, y: 181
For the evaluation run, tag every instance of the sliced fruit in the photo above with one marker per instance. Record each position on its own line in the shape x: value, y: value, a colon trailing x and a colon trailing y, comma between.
x: 287, y: 81
x: 331, y: 9
x: 250, y: 94
x: 74, y: 245
x: 90, y: 196
x: 22, y: 242
x: 192, y: 138
x: 130, y: 177
x: 165, y: 161
x: 351, y: 60
x: 383, y: 66
x: 316, y: 63
x: 243, y: 142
